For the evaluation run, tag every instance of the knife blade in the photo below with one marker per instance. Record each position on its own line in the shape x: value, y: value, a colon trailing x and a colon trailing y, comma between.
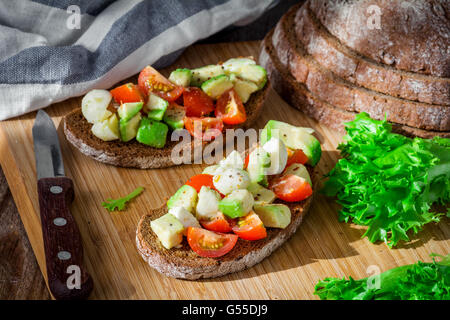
x: 67, y: 278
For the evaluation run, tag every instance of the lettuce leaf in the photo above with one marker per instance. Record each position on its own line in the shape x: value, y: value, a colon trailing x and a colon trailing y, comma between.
x: 420, y: 281
x: 389, y: 182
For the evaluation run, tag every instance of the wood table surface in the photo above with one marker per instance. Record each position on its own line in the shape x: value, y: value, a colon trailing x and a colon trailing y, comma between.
x: 321, y: 247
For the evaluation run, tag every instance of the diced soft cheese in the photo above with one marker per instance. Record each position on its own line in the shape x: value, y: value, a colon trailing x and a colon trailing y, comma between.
x: 233, y: 160
x: 208, y: 203
x: 94, y: 105
x: 186, y: 218
x: 278, y: 155
x: 169, y: 230
x: 231, y: 179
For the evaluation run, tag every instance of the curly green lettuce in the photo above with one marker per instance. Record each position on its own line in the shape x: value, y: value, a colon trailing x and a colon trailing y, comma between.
x: 389, y: 182
x: 419, y: 281
x: 119, y: 204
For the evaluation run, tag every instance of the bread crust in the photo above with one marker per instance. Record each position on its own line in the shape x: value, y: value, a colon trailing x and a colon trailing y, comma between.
x: 345, y: 95
x: 329, y: 52
x: 412, y: 35
x: 186, y: 264
x: 298, y: 96
x: 133, y: 154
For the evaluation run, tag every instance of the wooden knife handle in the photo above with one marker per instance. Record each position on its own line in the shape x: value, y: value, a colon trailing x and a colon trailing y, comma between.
x: 67, y: 278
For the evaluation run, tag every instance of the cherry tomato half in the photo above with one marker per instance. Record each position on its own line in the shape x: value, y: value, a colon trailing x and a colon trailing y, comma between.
x: 291, y: 188
x: 296, y: 156
x: 206, y: 128
x: 127, y: 93
x: 151, y: 80
x: 250, y: 227
x: 210, y: 244
x: 197, y: 102
x: 219, y: 223
x: 230, y: 108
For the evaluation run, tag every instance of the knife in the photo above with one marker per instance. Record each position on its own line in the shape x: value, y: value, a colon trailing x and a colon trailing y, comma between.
x: 67, y: 278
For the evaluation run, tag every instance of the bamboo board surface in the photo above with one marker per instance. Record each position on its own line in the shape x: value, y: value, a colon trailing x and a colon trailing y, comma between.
x: 322, y: 246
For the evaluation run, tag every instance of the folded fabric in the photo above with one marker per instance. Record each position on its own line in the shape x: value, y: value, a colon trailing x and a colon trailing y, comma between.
x: 54, y: 50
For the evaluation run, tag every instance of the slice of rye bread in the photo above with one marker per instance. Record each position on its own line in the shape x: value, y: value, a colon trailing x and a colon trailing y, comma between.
x: 133, y: 154
x: 186, y: 264
x: 412, y: 35
x: 298, y: 96
x: 345, y: 95
x: 350, y: 65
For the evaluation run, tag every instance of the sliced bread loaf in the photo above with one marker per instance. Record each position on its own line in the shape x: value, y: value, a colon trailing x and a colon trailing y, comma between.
x: 186, y: 264
x: 134, y: 154
x: 357, y: 69
x: 301, y: 98
x: 412, y: 35
x: 345, y: 95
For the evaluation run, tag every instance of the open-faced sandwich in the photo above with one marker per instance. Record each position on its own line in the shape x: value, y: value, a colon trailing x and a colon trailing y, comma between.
x: 237, y: 212
x: 131, y: 125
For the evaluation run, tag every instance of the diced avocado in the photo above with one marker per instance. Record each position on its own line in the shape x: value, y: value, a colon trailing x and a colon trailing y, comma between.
x: 273, y: 215
x: 174, y: 116
x: 234, y: 65
x: 211, y: 169
x: 205, y: 73
x: 244, y: 89
x: 299, y: 170
x: 258, y: 162
x: 169, y: 230
x: 261, y: 194
x: 156, y: 107
x: 128, y: 110
x: 214, y: 87
x: 108, y: 129
x: 237, y: 204
x: 185, y: 197
x: 128, y: 129
x: 208, y: 203
x: 254, y: 73
x: 294, y: 138
x: 181, y: 77
x: 152, y: 133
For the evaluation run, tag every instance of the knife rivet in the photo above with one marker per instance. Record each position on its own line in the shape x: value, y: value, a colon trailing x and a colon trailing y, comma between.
x: 56, y: 189
x: 64, y: 255
x: 59, y: 222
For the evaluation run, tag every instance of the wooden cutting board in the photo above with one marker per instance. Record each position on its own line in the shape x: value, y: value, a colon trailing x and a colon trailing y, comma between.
x: 322, y: 247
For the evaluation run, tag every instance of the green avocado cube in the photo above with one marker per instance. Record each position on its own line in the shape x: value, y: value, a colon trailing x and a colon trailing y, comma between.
x: 181, y: 77
x: 174, y: 117
x: 152, y: 133
x: 128, y: 128
x: 185, y: 197
x: 156, y: 107
x: 214, y: 87
x: 128, y: 110
x: 273, y: 215
x: 237, y: 204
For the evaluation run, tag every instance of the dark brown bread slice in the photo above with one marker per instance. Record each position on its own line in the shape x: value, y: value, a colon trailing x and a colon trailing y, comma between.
x: 345, y: 95
x: 134, y: 154
x: 348, y: 64
x: 299, y: 97
x: 186, y: 264
x: 413, y: 34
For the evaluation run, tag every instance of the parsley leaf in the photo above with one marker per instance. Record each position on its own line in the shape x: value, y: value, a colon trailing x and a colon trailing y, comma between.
x: 389, y: 182
x: 419, y: 281
x: 119, y: 204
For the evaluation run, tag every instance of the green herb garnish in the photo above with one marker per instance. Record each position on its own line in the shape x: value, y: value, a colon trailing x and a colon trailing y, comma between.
x: 389, y: 182
x: 420, y: 281
x: 119, y: 204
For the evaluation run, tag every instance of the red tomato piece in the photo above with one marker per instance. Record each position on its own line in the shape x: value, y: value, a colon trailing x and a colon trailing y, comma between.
x: 230, y: 108
x: 200, y: 180
x: 246, y: 161
x: 291, y: 188
x: 296, y: 156
x: 127, y: 93
x: 206, y: 128
x: 218, y: 224
x: 210, y: 244
x: 151, y: 80
x: 197, y: 102
x: 250, y: 227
